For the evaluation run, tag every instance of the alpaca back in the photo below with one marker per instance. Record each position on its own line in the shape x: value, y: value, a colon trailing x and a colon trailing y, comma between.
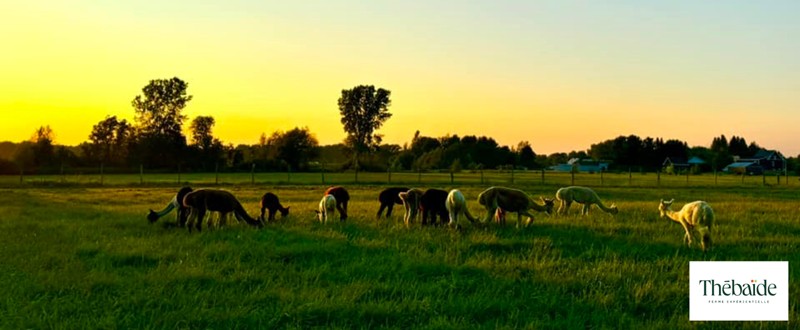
x: 698, y: 214
x: 326, y: 207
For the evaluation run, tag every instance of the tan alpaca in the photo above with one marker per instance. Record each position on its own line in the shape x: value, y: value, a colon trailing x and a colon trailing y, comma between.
x: 581, y: 195
x: 694, y: 216
x: 411, y: 199
x: 214, y: 200
x: 512, y: 200
x: 327, y: 208
x: 457, y: 205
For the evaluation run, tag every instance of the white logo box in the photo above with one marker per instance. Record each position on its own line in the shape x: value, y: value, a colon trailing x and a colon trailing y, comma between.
x: 753, y: 281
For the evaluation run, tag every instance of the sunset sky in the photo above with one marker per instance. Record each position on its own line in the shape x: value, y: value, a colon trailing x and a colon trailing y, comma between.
x: 561, y: 74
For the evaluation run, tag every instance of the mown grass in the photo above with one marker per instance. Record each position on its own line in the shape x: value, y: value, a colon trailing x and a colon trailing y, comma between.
x: 75, y: 258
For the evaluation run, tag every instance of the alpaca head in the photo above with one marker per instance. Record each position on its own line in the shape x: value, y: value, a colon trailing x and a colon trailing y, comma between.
x: 284, y: 212
x: 152, y: 216
x: 664, y: 206
x: 549, y: 203
x: 614, y: 209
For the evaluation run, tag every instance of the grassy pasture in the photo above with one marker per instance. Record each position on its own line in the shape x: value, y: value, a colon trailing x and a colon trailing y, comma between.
x: 85, y: 257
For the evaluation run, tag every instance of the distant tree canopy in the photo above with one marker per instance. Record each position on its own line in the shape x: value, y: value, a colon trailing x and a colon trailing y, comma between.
x: 108, y: 142
x: 364, y: 110
x: 296, y: 147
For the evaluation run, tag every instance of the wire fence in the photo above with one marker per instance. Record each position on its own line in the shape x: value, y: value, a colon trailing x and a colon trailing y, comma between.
x: 485, y: 177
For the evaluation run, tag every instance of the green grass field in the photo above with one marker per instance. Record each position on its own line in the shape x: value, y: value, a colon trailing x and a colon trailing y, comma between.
x: 86, y: 257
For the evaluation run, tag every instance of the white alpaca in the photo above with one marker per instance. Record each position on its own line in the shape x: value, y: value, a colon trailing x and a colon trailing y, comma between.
x: 694, y: 216
x: 456, y: 205
x: 581, y: 195
x: 327, y: 207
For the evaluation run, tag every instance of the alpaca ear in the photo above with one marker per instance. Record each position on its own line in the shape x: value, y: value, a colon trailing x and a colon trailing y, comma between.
x: 670, y: 202
x: 316, y: 211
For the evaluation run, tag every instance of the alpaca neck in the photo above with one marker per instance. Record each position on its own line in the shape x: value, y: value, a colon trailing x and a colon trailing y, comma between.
x: 168, y: 208
x: 674, y: 216
x: 603, y: 207
x: 537, y: 207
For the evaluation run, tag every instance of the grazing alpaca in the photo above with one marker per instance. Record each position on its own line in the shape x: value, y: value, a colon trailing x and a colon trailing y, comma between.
x: 176, y: 202
x: 270, y: 202
x: 456, y: 205
x: 581, y: 195
x: 327, y: 206
x: 214, y: 200
x: 511, y: 200
x: 342, y: 197
x: 411, y: 201
x: 694, y: 216
x: 432, y: 203
x: 388, y: 198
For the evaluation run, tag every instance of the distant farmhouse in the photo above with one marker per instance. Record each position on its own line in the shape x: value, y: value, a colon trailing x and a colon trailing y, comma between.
x: 763, y: 160
x: 583, y: 165
x: 681, y: 164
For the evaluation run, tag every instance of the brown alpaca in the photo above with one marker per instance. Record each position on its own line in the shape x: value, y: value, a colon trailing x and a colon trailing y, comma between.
x: 214, y: 200
x: 342, y: 197
x: 512, y: 200
x: 388, y: 198
x: 176, y: 202
x: 411, y: 201
x: 270, y: 202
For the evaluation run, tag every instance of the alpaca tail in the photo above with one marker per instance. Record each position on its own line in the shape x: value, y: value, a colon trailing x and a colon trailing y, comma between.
x: 241, y: 214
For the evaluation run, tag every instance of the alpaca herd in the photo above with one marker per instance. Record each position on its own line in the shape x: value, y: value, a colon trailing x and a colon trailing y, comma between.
x: 449, y: 207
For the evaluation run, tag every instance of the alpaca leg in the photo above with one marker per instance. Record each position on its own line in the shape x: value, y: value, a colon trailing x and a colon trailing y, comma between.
x: 191, y: 218
x: 199, y: 221
x: 529, y: 216
x: 380, y: 210
x: 210, y: 220
x: 453, y: 219
x: 562, y: 207
x: 272, y: 213
x: 262, y: 214
x: 389, y: 209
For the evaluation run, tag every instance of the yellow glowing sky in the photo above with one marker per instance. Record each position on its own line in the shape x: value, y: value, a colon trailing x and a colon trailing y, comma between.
x: 560, y: 74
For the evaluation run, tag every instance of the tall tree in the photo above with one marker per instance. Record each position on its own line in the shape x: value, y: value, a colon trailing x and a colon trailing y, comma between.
x: 159, y: 119
x: 364, y: 110
x: 527, y: 157
x: 43, y: 151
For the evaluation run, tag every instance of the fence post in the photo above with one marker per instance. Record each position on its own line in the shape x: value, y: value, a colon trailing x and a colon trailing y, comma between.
x: 216, y: 174
x: 779, y: 178
x: 419, y: 172
x: 21, y: 174
x: 101, y: 173
x: 763, y: 178
x: 289, y: 173
x: 542, y: 175
x: 601, y: 176
x: 715, y: 177
x: 451, y: 177
x: 658, y: 178
x: 141, y: 173
x: 630, y: 177
x: 179, y: 174
x: 356, y: 173
x: 253, y: 174
x: 512, y: 175
x: 745, y: 171
x: 389, y: 171
x: 62, y: 173
x: 572, y: 173
x: 687, y: 176
x: 481, y: 176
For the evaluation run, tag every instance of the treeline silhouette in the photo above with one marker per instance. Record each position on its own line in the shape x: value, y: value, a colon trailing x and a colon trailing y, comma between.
x: 155, y: 141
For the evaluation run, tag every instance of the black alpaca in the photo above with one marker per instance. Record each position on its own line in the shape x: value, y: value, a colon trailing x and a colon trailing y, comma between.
x: 389, y: 198
x: 432, y: 204
x: 270, y: 202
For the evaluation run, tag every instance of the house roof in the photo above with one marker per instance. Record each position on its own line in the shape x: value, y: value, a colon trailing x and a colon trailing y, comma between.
x: 675, y: 161
x: 696, y: 160
x: 742, y: 164
x: 764, y: 153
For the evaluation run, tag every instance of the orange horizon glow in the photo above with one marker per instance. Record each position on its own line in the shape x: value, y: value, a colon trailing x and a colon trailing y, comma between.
x: 560, y: 76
